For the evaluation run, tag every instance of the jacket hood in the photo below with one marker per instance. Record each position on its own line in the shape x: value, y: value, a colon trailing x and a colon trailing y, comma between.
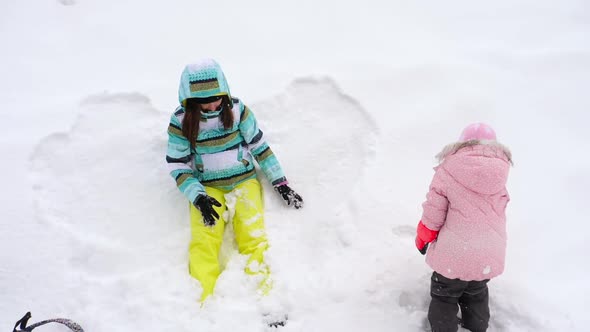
x: 201, y: 80
x: 480, y: 166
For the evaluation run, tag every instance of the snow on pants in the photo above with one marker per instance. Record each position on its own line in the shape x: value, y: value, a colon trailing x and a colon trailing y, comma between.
x: 450, y: 294
x: 248, y: 224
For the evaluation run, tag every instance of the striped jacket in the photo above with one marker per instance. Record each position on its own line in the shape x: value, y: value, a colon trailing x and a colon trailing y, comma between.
x: 222, y: 158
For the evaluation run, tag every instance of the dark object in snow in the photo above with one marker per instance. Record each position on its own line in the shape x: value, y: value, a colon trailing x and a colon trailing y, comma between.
x: 22, y: 324
x: 276, y: 322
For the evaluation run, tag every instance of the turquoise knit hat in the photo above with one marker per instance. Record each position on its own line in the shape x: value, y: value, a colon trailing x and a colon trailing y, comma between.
x: 201, y: 80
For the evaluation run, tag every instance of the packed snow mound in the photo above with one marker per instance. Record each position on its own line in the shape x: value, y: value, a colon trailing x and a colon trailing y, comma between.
x: 125, y: 225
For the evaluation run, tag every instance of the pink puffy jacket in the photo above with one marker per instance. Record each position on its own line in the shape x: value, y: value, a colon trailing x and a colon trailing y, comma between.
x: 466, y: 204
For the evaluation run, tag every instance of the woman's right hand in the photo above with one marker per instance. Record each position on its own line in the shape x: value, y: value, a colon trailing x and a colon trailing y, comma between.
x: 205, y: 204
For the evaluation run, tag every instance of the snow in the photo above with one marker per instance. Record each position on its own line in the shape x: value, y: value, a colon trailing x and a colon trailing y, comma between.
x: 355, y: 99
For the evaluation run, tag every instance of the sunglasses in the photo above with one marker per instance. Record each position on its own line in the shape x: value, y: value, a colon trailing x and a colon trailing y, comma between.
x: 207, y: 100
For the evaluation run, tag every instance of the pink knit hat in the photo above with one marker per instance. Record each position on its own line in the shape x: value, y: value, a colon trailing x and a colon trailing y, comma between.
x: 480, y: 131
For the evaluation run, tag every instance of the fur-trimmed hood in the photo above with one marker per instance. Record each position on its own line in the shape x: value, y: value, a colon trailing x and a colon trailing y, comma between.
x: 480, y: 166
x: 454, y: 147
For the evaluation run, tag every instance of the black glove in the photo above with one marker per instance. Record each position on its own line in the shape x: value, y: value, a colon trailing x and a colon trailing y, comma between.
x: 290, y: 197
x: 205, y: 204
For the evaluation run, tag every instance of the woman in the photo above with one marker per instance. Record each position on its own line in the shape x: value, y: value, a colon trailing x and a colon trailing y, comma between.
x: 212, y: 140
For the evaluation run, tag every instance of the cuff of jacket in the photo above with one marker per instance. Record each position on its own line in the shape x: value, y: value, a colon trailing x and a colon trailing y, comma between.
x: 280, y: 181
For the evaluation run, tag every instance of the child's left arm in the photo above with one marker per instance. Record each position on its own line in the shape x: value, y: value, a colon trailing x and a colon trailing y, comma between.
x: 259, y: 148
x: 266, y: 158
x: 436, y: 205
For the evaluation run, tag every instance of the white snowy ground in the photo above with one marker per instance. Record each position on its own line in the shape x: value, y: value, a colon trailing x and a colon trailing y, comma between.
x: 355, y: 98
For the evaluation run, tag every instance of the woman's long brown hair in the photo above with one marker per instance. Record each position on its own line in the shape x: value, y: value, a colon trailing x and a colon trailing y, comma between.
x: 192, y: 118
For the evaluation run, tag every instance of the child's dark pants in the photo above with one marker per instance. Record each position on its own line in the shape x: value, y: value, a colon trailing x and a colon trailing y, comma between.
x: 470, y: 296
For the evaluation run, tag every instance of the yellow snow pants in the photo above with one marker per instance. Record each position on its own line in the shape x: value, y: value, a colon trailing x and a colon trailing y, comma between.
x: 248, y: 224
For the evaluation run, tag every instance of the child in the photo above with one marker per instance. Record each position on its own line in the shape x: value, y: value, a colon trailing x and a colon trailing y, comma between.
x: 212, y: 141
x: 464, y: 219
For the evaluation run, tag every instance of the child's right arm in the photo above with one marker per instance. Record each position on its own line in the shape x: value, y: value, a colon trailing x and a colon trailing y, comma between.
x: 434, y: 215
x: 178, y: 157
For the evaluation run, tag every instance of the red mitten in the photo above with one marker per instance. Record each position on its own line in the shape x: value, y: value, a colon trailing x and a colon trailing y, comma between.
x: 420, y: 244
x: 424, y: 236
